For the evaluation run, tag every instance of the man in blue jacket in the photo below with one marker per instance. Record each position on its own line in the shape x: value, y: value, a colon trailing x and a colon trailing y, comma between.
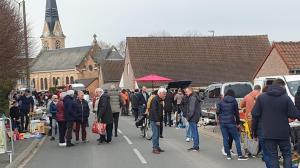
x: 143, y: 97
x: 26, y: 104
x: 70, y: 115
x: 272, y: 110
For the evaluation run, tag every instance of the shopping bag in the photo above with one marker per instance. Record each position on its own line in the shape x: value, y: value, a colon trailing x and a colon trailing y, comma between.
x: 102, y: 128
x: 96, y: 127
x: 252, y: 146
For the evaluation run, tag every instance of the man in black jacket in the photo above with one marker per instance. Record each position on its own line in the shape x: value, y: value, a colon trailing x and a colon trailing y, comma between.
x: 70, y: 115
x: 272, y: 110
x: 82, y: 116
x: 135, y: 104
x: 193, y: 115
x: 155, y: 117
x: 168, y: 107
x: 143, y: 97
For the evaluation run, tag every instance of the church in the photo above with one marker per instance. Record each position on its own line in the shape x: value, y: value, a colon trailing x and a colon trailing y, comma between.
x: 56, y: 65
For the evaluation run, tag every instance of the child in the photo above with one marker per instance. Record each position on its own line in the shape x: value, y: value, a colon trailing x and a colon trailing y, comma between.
x: 14, y: 115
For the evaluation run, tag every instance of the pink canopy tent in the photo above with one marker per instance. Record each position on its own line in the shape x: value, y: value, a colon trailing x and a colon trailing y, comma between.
x: 153, y: 78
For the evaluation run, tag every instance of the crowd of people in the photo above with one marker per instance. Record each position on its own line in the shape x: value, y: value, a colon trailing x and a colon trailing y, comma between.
x: 267, y: 116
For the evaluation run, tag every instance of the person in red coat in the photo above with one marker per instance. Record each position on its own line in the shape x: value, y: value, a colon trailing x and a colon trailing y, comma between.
x: 60, y: 118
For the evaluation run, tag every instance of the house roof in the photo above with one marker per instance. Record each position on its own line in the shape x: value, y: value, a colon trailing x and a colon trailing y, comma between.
x: 108, y: 54
x: 60, y: 59
x: 290, y: 53
x: 86, y: 82
x: 112, y: 70
x: 202, y: 60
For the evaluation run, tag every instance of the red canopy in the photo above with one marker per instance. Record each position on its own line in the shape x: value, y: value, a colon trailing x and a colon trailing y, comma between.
x: 153, y: 78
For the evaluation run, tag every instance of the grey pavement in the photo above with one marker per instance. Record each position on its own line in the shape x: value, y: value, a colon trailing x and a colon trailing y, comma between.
x: 121, y: 152
x: 19, y: 146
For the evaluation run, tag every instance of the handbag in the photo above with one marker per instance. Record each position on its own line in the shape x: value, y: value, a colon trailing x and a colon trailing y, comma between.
x: 96, y: 127
x: 252, y: 146
x: 102, y: 128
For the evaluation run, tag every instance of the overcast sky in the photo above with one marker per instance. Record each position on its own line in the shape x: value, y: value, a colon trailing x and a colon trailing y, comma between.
x: 114, y: 20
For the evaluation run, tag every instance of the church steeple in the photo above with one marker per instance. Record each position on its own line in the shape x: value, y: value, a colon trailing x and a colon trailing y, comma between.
x: 53, y: 36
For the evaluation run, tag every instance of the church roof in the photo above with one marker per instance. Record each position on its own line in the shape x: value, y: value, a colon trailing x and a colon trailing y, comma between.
x: 51, y: 14
x: 108, y: 54
x: 60, y: 59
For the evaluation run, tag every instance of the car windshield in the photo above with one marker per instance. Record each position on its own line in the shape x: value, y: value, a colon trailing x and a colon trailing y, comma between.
x: 293, y: 86
x: 240, y: 90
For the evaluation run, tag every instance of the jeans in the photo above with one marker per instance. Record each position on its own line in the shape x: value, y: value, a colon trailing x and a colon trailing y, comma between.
x: 266, y: 157
x: 155, y: 135
x: 83, y: 125
x: 116, y: 121
x: 62, y: 128
x: 272, y: 151
x: 195, y: 134
x: 53, y: 127
x: 188, y: 133
x: 227, y: 130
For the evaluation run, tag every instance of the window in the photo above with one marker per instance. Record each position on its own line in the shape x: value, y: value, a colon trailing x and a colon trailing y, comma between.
x: 214, y: 93
x: 57, y: 44
x: 23, y: 81
x: 42, y: 83
x: 46, y: 83
x: 67, y: 80
x: 33, y: 83
x: 72, y: 80
x: 45, y: 45
x: 91, y: 68
x: 58, y: 81
x: 53, y: 81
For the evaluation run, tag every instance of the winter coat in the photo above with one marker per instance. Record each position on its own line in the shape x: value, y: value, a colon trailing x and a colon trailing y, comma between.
x: 156, y: 110
x: 193, y: 108
x: 53, y: 110
x: 124, y: 98
x: 70, y: 108
x: 272, y: 110
x: 25, y: 103
x: 141, y: 99
x: 249, y: 102
x: 82, y: 110
x: 178, y: 98
x: 14, y: 112
x: 297, y: 99
x: 184, y: 106
x: 134, y: 101
x: 104, y: 112
x: 228, y: 111
x: 168, y: 107
x: 60, y: 115
x: 114, y: 101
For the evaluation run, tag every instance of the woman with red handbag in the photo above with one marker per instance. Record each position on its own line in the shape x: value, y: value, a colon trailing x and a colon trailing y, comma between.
x: 105, y: 117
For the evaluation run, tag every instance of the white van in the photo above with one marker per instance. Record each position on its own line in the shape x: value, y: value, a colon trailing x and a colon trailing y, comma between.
x: 215, y: 92
x: 77, y: 87
x: 292, y: 83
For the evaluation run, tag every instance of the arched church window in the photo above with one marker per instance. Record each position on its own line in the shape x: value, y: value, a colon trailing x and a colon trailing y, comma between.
x: 57, y: 44
x: 33, y: 83
x: 53, y: 81
x: 46, y: 83
x: 42, y: 83
x: 91, y: 68
x: 45, y: 45
x: 72, y: 80
x: 67, y: 80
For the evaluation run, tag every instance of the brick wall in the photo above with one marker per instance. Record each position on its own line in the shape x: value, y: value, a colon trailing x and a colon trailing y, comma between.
x: 274, y: 65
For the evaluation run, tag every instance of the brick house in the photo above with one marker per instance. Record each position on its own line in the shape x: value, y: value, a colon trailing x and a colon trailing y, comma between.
x: 203, y: 60
x: 283, y: 59
x: 56, y: 65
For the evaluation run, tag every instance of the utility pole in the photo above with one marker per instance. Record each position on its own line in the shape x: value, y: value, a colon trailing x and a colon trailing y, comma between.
x: 26, y: 46
x: 213, y: 32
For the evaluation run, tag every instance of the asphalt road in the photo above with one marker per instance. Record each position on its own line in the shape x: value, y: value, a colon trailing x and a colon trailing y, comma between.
x: 130, y: 150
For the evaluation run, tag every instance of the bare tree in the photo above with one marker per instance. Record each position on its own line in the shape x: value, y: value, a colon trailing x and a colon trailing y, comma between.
x: 121, y: 46
x: 192, y: 33
x: 104, y: 44
x: 12, y: 62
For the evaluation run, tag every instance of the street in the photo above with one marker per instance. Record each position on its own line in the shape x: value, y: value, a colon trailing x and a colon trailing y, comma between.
x: 130, y: 150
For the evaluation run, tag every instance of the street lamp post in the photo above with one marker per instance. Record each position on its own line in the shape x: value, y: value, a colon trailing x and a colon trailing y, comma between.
x: 26, y: 46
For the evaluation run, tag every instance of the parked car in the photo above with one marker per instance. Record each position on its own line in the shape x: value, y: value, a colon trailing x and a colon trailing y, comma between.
x: 213, y: 94
x: 292, y: 83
